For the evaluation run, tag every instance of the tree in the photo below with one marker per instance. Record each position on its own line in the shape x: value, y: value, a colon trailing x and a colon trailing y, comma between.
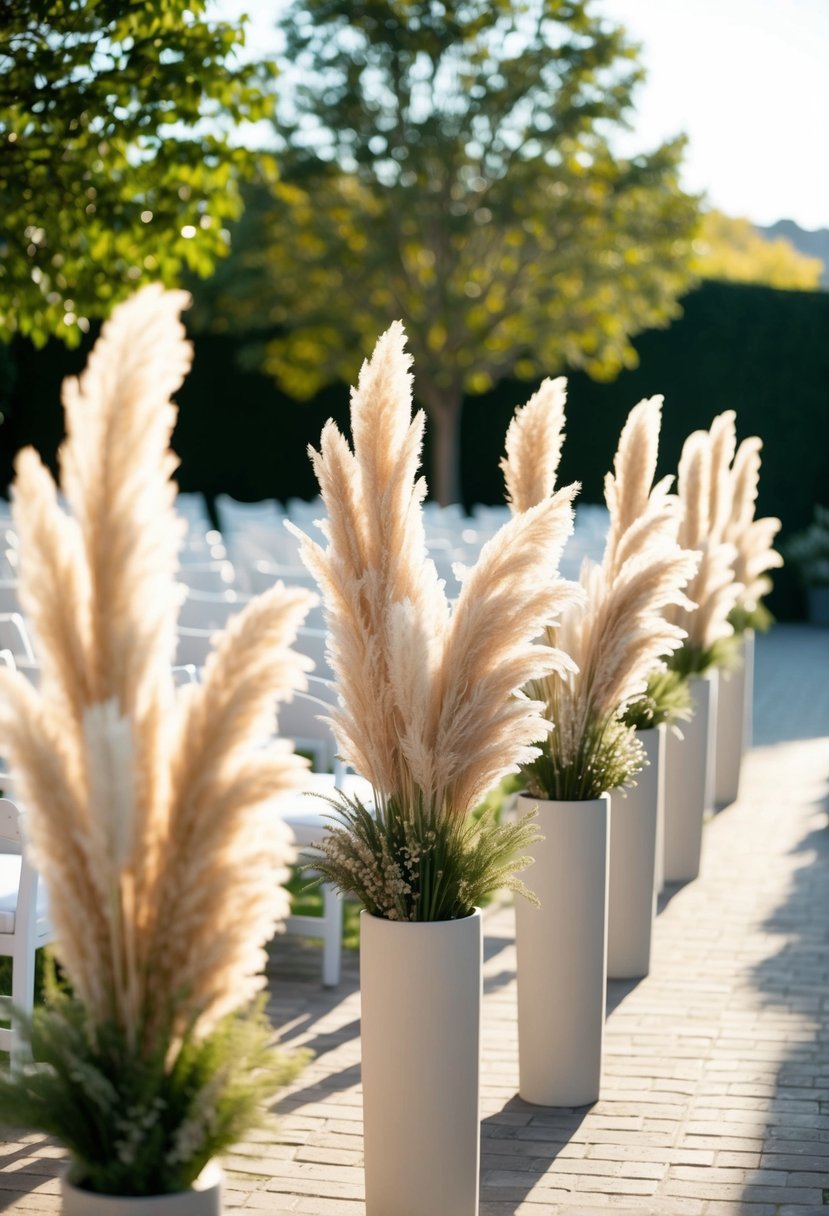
x: 115, y: 158
x: 733, y: 249
x: 450, y: 164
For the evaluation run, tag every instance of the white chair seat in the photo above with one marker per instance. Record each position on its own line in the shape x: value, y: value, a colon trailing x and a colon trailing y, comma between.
x: 9, y: 884
x: 307, y: 816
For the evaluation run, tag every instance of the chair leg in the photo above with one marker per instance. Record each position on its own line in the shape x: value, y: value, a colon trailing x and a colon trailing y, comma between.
x: 23, y: 998
x: 332, y: 940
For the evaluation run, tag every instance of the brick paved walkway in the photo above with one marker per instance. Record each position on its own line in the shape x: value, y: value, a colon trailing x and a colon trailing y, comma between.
x: 716, y: 1091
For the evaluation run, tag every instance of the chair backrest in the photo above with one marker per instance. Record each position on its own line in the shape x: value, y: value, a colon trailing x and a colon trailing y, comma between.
x: 8, y: 595
x: 185, y: 673
x: 193, y: 508
x: 10, y: 828
x: 193, y: 646
x: 15, y: 637
x: 210, y: 609
x: 313, y: 643
x: 235, y: 515
x: 263, y: 575
x: 207, y: 576
x: 302, y: 720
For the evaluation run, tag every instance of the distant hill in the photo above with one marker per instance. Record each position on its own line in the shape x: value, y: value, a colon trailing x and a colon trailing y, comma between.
x: 815, y: 244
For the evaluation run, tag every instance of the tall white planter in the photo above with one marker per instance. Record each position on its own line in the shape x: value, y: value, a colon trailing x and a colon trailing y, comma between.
x: 689, y: 781
x: 421, y: 986
x: 632, y: 889
x: 562, y: 954
x: 748, y: 699
x: 659, y: 856
x: 734, y: 714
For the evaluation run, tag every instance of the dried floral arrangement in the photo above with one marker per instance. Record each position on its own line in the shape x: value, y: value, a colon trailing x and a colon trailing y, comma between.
x: 146, y: 804
x: 431, y: 708
x: 752, y: 539
x: 705, y: 493
x: 616, y: 633
x: 642, y: 510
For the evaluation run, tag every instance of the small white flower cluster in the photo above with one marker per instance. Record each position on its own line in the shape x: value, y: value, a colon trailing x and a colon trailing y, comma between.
x: 133, y: 1126
x: 385, y: 873
x: 193, y: 1132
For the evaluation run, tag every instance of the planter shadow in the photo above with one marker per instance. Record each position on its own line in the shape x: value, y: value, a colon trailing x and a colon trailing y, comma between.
x: 26, y: 1180
x: 519, y: 1145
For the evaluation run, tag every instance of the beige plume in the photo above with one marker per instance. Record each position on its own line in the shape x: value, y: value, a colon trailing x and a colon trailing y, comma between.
x: 430, y: 706
x: 145, y: 803
x: 533, y: 446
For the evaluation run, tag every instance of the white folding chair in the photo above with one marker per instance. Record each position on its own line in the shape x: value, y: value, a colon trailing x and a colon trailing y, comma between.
x: 14, y: 636
x: 193, y: 646
x: 210, y: 609
x: 24, y: 922
x: 8, y: 595
x: 301, y: 720
x: 207, y: 576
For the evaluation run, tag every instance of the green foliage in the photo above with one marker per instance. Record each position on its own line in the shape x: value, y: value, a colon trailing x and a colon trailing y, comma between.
x: 450, y: 165
x: 116, y: 164
x: 808, y: 551
x: 667, y: 698
x: 605, y: 756
x: 135, y: 1125
x: 733, y: 249
x: 757, y: 618
x: 725, y: 654
x: 409, y: 865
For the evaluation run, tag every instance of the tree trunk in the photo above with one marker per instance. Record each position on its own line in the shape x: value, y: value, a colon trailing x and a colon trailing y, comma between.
x: 444, y: 409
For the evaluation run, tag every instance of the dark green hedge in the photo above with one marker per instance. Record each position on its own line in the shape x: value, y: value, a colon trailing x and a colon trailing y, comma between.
x: 762, y: 352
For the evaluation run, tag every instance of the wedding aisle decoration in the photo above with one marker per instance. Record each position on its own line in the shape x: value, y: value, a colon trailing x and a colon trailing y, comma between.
x: 704, y: 493
x: 145, y: 804
x: 615, y: 634
x: 432, y: 713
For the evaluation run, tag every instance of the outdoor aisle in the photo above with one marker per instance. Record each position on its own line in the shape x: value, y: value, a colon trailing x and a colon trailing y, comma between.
x: 716, y: 1091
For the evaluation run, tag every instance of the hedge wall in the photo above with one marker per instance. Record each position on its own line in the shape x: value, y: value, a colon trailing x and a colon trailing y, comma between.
x: 762, y: 352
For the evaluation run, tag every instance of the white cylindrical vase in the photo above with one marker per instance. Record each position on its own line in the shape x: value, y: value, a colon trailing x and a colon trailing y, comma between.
x: 421, y: 988
x: 731, y: 714
x: 632, y: 884
x: 748, y: 699
x: 689, y: 765
x: 203, y: 1199
x: 659, y: 856
x: 562, y: 954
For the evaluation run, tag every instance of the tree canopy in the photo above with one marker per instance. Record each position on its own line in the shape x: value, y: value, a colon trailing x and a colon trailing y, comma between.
x: 116, y: 164
x: 452, y: 165
x: 733, y: 250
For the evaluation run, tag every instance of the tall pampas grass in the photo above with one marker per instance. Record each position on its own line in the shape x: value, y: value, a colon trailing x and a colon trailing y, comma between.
x: 704, y: 489
x: 146, y: 805
x: 752, y: 539
x: 431, y: 709
x: 616, y: 633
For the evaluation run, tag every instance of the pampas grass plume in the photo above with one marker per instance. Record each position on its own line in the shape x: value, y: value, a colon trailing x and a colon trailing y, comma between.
x: 430, y: 704
x: 146, y: 804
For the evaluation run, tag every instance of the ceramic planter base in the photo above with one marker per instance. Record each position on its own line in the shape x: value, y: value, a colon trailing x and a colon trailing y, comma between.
x: 204, y: 1199
x: 421, y: 1012
x: 730, y: 736
x: 659, y: 856
x: 562, y: 954
x: 632, y: 896
x: 689, y: 769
